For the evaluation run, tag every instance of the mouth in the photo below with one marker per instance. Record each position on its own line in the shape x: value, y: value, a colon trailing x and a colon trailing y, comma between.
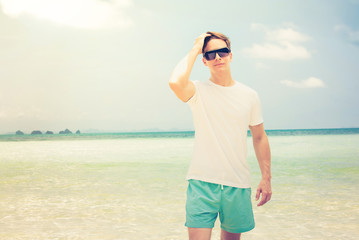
x: 219, y: 64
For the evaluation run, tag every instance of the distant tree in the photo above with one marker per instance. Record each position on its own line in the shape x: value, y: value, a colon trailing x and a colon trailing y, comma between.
x: 36, y: 132
x: 18, y: 132
x: 49, y: 132
x: 78, y: 132
x: 67, y: 131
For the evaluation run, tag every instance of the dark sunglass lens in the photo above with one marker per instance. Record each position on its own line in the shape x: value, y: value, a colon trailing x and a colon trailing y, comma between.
x: 223, y: 54
x: 210, y: 56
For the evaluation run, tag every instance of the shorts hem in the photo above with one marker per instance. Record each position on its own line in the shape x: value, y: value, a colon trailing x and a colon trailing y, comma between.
x: 238, y: 230
x: 199, y: 225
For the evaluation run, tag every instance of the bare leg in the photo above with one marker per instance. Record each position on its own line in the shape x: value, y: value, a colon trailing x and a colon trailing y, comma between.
x: 199, y: 233
x: 229, y: 236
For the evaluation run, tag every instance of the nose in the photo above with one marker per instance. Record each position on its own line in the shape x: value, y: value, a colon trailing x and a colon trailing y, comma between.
x: 217, y: 56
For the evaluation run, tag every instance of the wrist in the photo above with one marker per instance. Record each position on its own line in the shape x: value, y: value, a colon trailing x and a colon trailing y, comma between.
x: 196, y: 50
x: 267, y: 177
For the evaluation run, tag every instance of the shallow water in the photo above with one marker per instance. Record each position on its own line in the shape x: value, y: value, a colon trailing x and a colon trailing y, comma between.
x: 134, y: 188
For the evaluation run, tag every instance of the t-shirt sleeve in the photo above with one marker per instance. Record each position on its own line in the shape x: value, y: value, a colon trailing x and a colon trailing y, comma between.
x: 256, y: 112
x: 193, y: 99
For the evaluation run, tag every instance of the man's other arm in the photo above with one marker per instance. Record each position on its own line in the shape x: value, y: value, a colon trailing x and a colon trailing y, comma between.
x: 262, y: 150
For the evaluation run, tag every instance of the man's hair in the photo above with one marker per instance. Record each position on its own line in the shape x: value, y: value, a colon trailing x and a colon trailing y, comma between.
x: 216, y: 35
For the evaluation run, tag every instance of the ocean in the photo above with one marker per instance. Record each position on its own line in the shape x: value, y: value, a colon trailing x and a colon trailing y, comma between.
x: 132, y: 186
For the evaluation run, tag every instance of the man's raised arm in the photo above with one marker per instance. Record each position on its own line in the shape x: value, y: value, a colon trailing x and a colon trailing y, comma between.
x: 179, y: 81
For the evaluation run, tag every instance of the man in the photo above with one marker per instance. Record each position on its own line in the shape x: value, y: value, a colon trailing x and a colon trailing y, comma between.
x: 223, y: 110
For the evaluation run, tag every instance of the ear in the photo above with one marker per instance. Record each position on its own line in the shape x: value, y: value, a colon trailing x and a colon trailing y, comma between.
x: 204, y: 61
x: 230, y: 56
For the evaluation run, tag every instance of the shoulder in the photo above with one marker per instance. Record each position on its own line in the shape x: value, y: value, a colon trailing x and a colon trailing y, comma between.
x: 247, y: 90
x: 200, y: 83
x: 202, y: 86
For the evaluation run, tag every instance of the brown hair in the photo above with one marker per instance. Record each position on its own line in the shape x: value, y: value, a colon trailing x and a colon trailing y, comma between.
x: 216, y: 35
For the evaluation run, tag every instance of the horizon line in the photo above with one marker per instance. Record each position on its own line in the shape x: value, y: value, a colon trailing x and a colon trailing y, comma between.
x: 166, y: 131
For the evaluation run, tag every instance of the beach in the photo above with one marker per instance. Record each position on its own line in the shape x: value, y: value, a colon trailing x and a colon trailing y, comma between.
x: 133, y: 186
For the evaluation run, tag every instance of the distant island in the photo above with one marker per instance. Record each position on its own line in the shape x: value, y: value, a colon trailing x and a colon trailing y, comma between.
x: 65, y: 132
x: 38, y: 132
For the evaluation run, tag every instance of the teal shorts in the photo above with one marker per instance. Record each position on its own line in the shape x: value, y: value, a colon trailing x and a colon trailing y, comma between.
x: 206, y: 200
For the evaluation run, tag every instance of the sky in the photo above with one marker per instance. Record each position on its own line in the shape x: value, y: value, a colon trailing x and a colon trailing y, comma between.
x: 104, y: 65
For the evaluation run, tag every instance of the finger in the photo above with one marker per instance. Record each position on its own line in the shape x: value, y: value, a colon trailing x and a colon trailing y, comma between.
x: 258, y: 194
x: 204, y: 35
x: 263, y: 200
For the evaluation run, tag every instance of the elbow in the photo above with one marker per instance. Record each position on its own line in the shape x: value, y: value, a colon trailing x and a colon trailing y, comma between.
x: 173, y: 85
x: 256, y: 140
x: 176, y: 83
x: 259, y: 137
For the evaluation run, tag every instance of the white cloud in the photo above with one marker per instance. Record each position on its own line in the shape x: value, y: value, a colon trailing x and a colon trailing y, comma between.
x: 90, y: 14
x: 282, y: 44
x: 287, y: 34
x: 286, y: 51
x: 352, y: 36
x: 311, y: 82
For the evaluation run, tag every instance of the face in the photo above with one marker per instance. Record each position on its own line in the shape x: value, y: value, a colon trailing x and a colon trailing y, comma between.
x: 219, y: 63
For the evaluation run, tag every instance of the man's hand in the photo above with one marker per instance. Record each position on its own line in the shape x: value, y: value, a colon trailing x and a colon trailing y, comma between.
x: 198, y: 44
x: 264, y: 188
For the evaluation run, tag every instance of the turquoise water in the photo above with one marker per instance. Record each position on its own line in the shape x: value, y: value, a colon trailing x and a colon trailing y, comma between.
x: 132, y: 186
x: 183, y: 134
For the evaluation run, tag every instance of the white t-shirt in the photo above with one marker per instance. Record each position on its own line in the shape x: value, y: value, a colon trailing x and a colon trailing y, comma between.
x: 221, y: 118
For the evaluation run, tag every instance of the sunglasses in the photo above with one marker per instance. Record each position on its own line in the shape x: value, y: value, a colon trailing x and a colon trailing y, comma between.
x: 211, y: 55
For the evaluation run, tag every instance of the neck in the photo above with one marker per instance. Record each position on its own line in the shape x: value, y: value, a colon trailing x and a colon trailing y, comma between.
x: 222, y: 78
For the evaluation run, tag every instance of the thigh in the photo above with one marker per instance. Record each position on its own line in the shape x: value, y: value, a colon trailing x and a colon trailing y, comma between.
x: 199, y: 233
x: 202, y: 205
x: 236, y: 212
x: 230, y: 236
